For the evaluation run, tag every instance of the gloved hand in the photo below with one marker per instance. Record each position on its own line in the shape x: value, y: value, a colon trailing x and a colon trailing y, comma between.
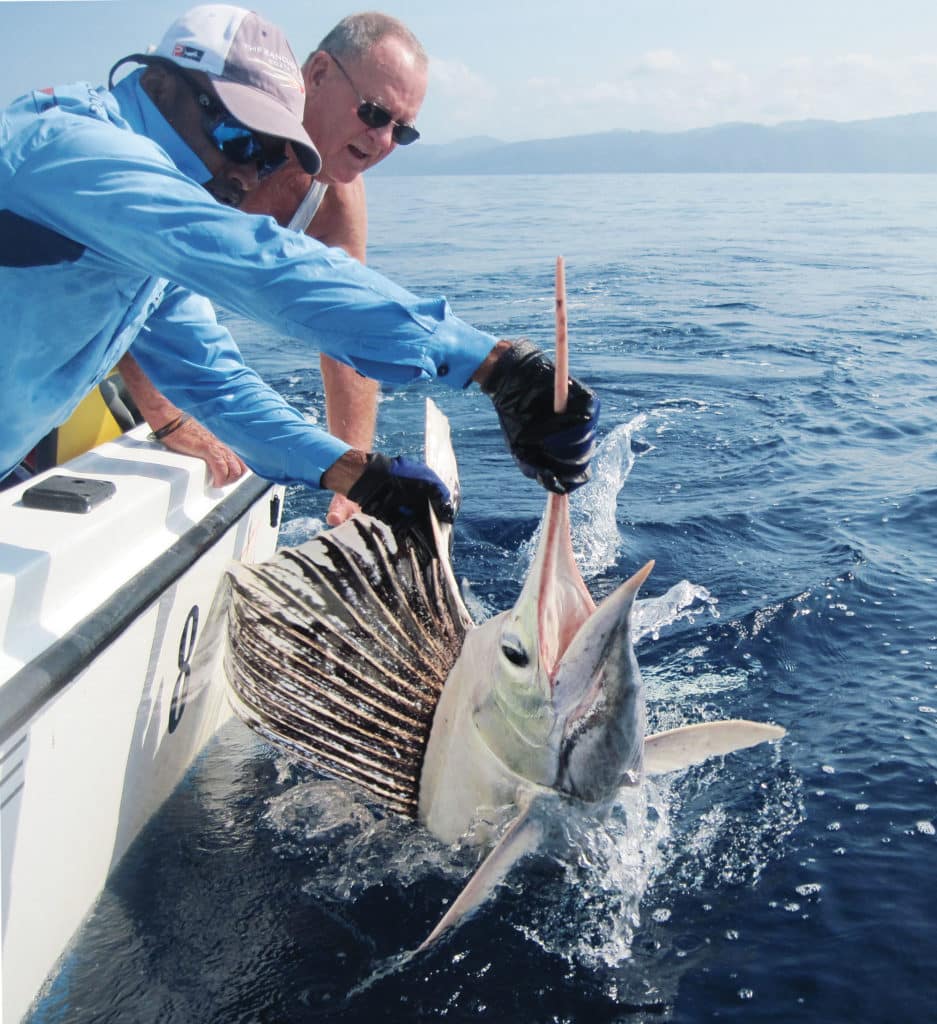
x: 400, y: 492
x: 553, y: 448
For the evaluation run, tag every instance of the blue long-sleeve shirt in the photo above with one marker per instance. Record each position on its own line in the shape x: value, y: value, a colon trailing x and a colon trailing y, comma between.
x: 108, y: 240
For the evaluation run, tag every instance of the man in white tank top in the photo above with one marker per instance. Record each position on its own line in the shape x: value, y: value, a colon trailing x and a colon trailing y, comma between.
x: 365, y: 85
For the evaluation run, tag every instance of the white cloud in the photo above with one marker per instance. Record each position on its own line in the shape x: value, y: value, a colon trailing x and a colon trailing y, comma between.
x: 454, y: 79
x: 662, y: 90
x: 665, y: 61
x: 849, y: 86
x: 721, y: 67
x: 459, y: 103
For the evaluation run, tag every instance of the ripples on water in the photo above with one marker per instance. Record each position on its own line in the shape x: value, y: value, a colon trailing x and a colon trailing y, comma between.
x: 764, y: 347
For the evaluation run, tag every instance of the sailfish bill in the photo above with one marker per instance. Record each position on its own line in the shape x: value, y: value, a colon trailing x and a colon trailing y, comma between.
x: 351, y: 655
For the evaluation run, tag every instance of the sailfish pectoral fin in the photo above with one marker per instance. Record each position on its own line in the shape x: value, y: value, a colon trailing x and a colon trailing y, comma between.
x: 523, y: 836
x: 692, y: 744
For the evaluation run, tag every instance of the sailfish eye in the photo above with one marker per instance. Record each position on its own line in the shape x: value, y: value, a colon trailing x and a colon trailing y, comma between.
x: 515, y: 654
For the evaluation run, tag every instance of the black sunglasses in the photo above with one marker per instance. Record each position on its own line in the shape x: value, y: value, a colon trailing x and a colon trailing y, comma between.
x: 235, y: 140
x: 375, y: 116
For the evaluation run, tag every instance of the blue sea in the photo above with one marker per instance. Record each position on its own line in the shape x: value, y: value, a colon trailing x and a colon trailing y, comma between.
x: 765, y: 348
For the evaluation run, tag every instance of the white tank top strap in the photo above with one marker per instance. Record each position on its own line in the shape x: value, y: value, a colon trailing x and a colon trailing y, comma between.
x: 307, y: 208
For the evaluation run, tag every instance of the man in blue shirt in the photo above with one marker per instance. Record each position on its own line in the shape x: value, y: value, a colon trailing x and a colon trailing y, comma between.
x: 354, y: 123
x: 116, y: 229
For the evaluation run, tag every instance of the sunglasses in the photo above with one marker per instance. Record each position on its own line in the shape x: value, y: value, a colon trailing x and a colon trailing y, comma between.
x: 375, y: 116
x: 240, y: 144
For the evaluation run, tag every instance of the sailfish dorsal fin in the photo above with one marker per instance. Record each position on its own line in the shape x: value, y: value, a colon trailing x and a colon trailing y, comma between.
x: 339, y: 648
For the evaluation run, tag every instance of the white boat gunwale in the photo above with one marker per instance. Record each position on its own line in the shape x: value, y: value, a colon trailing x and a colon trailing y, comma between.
x: 111, y: 682
x: 38, y: 682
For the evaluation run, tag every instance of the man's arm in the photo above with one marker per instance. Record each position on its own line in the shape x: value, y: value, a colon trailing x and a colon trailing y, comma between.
x: 351, y: 414
x: 275, y: 440
x: 320, y: 296
x: 191, y: 438
x: 350, y: 399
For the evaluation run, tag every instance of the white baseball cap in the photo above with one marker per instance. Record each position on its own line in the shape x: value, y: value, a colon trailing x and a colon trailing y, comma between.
x: 251, y: 68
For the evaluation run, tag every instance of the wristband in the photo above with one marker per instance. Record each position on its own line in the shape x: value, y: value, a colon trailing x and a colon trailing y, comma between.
x: 170, y: 427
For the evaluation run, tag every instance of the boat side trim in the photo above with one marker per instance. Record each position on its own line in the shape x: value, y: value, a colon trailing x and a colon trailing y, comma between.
x: 38, y: 682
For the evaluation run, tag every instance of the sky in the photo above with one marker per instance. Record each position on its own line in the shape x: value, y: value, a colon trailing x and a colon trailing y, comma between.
x: 525, y: 69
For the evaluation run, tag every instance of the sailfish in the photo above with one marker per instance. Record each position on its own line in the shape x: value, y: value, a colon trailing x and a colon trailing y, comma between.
x: 354, y: 655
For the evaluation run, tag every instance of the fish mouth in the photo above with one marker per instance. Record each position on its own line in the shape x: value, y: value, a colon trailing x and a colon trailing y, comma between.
x: 564, y: 603
x: 563, y: 660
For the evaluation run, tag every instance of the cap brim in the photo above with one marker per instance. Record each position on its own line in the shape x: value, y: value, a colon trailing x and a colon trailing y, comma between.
x: 263, y: 113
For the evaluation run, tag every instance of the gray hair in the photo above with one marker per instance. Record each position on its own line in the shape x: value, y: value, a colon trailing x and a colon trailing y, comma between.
x: 354, y: 36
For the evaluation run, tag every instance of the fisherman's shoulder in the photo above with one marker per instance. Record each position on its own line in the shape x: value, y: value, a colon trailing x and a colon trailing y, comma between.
x: 65, y: 122
x: 78, y: 97
x: 279, y: 195
x: 62, y: 108
x: 342, y: 218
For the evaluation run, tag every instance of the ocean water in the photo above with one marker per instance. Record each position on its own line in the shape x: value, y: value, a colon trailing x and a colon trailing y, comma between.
x: 765, y: 351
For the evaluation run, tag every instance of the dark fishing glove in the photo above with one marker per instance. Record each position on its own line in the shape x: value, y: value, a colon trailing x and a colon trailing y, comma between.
x: 400, y: 492
x: 553, y: 448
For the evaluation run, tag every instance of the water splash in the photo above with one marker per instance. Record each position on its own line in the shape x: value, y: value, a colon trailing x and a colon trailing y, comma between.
x: 683, y: 601
x: 731, y: 819
x: 354, y: 843
x: 298, y: 531
x: 592, y: 509
x: 596, y: 537
x: 591, y: 916
x: 596, y: 540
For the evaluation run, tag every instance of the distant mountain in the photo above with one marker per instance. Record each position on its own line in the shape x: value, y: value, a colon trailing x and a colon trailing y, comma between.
x: 897, y: 144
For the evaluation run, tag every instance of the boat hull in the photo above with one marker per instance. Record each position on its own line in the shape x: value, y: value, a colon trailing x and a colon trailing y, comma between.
x: 112, y: 640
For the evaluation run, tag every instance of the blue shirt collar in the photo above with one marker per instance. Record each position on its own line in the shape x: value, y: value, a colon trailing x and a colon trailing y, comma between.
x: 144, y: 117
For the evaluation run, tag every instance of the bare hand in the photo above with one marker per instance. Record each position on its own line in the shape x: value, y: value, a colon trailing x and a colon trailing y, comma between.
x: 340, y: 510
x: 193, y: 439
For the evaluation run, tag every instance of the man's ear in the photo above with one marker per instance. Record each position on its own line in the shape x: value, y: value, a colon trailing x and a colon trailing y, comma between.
x: 315, y: 69
x: 157, y: 82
